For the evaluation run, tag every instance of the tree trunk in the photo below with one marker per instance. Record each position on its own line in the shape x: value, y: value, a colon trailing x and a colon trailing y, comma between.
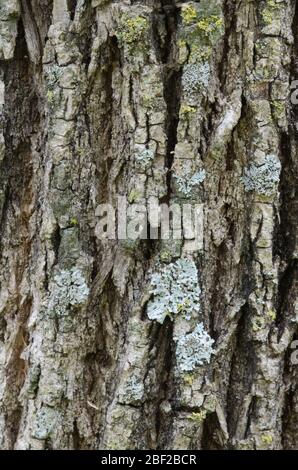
x: 166, y: 101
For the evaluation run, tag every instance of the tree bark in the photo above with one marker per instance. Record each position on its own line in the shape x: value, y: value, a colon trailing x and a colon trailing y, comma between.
x: 101, y: 99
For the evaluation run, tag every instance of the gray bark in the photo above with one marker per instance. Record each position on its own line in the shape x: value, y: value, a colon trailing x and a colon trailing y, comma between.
x: 203, y: 87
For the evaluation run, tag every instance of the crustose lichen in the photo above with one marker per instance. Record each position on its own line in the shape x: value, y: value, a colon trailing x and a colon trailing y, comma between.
x: 132, y: 31
x: 210, y: 25
x: 204, y: 23
x: 189, y: 14
x: 175, y: 290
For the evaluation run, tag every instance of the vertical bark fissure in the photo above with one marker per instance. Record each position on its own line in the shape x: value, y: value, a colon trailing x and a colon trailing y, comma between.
x: 172, y: 85
x: 21, y: 111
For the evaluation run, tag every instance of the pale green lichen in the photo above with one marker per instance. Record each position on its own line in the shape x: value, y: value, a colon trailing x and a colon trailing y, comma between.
x: 144, y: 157
x: 175, y: 290
x: 263, y: 178
x: 194, y: 77
x: 260, y: 322
x: 69, y: 289
x: 202, y: 26
x: 194, y: 349
x: 187, y: 187
x: 133, y: 392
x: 45, y: 422
x: 246, y: 444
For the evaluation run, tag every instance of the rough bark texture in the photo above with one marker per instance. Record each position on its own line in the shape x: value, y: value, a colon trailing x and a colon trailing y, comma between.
x: 104, y: 98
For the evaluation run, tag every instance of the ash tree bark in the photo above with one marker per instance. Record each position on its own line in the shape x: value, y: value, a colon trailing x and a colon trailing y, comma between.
x: 148, y: 344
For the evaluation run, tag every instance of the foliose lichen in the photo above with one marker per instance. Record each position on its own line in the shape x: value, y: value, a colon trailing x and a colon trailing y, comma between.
x: 69, y: 290
x: 194, y: 349
x: 194, y: 77
x: 263, y: 178
x: 133, y: 392
x: 44, y: 423
x: 175, y: 290
x: 144, y: 158
x: 187, y: 186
